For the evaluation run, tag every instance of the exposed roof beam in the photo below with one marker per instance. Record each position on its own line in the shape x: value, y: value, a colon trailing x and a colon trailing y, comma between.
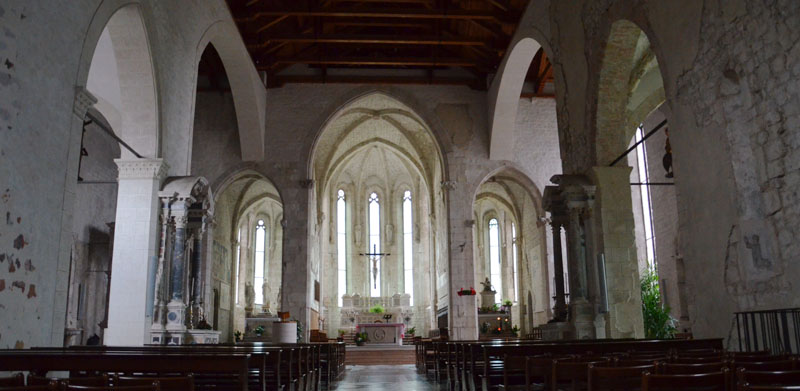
x: 507, y: 18
x: 280, y: 80
x: 370, y: 61
x: 360, y: 39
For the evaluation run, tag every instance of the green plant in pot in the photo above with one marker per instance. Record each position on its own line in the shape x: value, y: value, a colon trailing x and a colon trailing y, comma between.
x: 507, y: 305
x: 658, y: 324
x: 411, y: 331
x: 377, y: 309
x: 360, y: 338
x: 237, y: 336
x: 258, y: 331
x: 515, y: 330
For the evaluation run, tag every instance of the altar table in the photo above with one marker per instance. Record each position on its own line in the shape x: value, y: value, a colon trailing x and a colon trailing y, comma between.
x: 382, y: 333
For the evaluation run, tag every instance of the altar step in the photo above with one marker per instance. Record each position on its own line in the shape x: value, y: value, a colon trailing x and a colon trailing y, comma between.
x: 380, y: 355
x: 350, y: 339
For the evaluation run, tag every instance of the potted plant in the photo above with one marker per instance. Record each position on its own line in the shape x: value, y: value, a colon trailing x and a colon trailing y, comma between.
x: 411, y: 331
x: 377, y: 309
x: 360, y: 338
x: 259, y: 331
x: 237, y: 336
x: 515, y: 330
x: 342, y: 332
x: 507, y: 305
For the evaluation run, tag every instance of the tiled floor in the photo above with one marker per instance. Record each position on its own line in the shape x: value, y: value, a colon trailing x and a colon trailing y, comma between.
x: 384, y: 377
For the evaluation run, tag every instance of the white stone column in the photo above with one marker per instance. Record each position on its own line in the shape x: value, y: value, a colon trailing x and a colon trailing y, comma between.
x: 614, y: 211
x: 463, y: 310
x: 135, y: 249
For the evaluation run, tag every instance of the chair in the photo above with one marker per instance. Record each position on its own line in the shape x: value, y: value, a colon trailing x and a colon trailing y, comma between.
x: 14, y: 380
x: 174, y: 383
x: 718, y: 381
x: 573, y: 373
x: 94, y: 381
x: 768, y: 378
x: 616, y: 378
x: 688, y: 369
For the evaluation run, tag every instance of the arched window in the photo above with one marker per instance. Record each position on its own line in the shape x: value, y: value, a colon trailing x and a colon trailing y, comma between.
x: 408, y: 254
x: 341, y: 244
x: 238, y: 257
x: 514, y: 259
x: 258, y: 275
x: 494, y: 259
x: 374, y: 244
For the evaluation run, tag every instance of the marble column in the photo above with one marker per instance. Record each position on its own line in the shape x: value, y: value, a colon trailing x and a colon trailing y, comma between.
x: 159, y: 291
x: 616, y: 240
x: 135, y: 250
x: 560, y: 308
x: 176, y: 308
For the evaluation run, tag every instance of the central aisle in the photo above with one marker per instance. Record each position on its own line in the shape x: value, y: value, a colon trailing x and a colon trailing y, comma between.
x: 384, y: 377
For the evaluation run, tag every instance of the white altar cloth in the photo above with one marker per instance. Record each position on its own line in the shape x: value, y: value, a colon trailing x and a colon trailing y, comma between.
x: 382, y: 333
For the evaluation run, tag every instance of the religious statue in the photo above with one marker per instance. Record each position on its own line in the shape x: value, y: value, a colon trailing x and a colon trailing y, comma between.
x: 487, y: 285
x: 249, y: 296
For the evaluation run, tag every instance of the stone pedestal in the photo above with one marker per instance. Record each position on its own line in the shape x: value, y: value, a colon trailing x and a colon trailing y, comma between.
x: 557, y: 331
x: 583, y: 319
x: 202, y: 337
x: 488, y: 298
x: 284, y: 332
x: 73, y: 337
x: 176, y: 313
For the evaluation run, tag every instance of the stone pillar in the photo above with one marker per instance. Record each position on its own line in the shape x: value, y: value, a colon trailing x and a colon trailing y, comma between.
x: 176, y: 308
x: 615, y: 225
x: 135, y: 249
x: 463, y: 310
x: 159, y: 291
x: 560, y: 308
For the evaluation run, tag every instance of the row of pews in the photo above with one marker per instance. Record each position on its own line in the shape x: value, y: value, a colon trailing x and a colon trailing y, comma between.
x: 241, y: 367
x: 649, y: 365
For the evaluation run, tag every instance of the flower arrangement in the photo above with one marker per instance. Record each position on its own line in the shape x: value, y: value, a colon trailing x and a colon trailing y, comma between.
x: 360, y: 338
x: 466, y: 292
x: 259, y: 330
x: 411, y: 331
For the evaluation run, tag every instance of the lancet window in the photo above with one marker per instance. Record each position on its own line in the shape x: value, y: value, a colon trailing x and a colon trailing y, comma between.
x: 341, y: 244
x: 408, y: 249
x: 495, y: 270
x: 259, y: 261
x: 374, y: 244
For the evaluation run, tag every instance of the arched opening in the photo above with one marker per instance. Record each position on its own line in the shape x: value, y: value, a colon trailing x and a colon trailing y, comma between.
x: 216, y: 131
x: 527, y: 71
x: 122, y: 123
x: 247, y: 254
x: 630, y: 91
x: 510, y: 251
x: 380, y: 209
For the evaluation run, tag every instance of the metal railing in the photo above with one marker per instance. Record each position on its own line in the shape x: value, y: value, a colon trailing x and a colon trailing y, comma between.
x: 776, y: 330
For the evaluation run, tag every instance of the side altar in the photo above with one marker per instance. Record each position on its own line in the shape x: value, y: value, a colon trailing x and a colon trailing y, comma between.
x: 383, y: 333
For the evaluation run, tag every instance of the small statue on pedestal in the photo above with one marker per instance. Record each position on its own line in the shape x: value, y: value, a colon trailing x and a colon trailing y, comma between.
x: 487, y: 285
x: 249, y: 298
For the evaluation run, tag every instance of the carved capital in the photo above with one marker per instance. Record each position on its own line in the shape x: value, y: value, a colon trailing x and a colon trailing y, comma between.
x: 83, y: 101
x: 449, y: 185
x: 142, y: 169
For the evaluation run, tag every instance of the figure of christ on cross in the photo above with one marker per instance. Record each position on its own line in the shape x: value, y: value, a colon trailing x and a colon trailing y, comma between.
x: 375, y: 257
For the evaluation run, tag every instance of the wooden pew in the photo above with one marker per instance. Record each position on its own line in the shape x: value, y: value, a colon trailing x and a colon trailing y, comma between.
x: 42, y: 361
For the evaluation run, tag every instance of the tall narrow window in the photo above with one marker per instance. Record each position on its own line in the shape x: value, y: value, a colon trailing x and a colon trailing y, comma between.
x: 374, y: 245
x: 514, y: 259
x: 258, y: 280
x: 341, y: 244
x: 494, y: 259
x: 408, y: 248
x: 238, y: 257
x: 647, y: 211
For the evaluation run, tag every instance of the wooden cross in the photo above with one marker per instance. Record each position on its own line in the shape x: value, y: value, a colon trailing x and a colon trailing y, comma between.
x: 375, y: 257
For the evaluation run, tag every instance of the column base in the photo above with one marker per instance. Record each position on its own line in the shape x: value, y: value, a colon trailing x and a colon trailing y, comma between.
x: 583, y: 319
x: 557, y: 331
x: 176, y: 316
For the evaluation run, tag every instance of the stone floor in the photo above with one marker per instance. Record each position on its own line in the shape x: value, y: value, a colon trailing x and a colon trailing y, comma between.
x: 384, y: 377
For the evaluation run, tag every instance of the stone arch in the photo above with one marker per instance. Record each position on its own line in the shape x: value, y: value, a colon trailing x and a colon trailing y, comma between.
x: 516, y: 175
x: 249, y: 94
x: 504, y: 97
x: 630, y: 87
x: 127, y: 91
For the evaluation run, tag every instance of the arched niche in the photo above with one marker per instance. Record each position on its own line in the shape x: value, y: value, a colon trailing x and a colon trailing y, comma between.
x: 242, y: 199
x: 510, y: 197
x: 377, y: 144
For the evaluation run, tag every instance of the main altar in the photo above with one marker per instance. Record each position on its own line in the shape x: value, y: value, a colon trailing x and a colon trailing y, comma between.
x: 382, y: 333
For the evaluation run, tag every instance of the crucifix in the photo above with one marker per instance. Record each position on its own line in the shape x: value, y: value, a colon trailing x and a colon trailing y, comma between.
x: 375, y: 257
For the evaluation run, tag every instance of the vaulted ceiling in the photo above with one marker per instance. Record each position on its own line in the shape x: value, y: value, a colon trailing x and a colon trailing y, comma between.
x: 378, y: 41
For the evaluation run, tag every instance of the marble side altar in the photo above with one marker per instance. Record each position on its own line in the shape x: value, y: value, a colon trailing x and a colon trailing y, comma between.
x: 382, y: 333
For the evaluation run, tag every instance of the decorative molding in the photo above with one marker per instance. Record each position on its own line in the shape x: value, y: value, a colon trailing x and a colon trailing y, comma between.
x: 142, y: 169
x: 83, y: 101
x: 449, y: 185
